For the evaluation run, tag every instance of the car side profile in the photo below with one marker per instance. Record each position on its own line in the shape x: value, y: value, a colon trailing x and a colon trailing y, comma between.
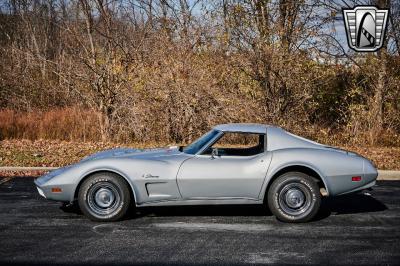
x: 230, y: 164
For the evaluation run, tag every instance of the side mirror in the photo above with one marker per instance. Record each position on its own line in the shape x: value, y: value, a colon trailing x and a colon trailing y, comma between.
x: 214, y: 153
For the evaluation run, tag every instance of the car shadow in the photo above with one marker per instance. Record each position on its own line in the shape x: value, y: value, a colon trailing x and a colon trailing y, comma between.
x: 205, y: 210
x: 346, y: 204
x: 349, y: 204
x: 71, y: 208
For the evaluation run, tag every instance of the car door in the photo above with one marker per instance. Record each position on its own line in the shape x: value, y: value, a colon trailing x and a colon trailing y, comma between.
x: 226, y: 176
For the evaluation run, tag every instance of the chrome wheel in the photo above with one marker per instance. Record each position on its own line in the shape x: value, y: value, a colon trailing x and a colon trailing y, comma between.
x: 295, y: 199
x: 104, y: 198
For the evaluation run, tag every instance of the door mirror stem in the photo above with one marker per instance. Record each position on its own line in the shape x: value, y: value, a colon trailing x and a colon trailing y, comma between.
x: 214, y: 153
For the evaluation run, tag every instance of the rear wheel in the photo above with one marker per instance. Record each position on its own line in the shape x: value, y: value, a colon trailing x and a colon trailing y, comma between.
x: 294, y: 197
x: 104, y: 197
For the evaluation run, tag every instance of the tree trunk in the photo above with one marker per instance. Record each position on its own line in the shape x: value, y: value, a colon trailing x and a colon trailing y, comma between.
x: 379, y: 88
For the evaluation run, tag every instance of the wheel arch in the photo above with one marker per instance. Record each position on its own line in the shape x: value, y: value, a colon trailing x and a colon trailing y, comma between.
x: 306, y: 169
x: 113, y: 171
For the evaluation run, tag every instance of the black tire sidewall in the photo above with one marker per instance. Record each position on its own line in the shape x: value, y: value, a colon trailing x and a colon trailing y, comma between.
x: 115, y: 180
x: 280, y: 183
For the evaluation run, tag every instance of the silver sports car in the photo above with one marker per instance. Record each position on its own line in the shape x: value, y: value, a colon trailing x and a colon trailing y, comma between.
x: 231, y: 164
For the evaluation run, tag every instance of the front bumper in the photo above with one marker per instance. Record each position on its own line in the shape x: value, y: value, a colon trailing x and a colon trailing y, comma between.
x: 55, y: 186
x: 41, y: 193
x: 64, y: 193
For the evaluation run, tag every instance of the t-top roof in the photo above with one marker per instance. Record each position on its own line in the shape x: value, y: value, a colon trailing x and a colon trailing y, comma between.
x: 243, y: 127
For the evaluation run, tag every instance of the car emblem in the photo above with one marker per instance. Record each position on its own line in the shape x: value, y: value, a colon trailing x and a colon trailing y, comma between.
x: 365, y: 27
x: 150, y: 176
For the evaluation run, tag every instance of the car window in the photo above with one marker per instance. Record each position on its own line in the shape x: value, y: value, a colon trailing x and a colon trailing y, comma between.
x: 238, y: 144
x: 200, y: 142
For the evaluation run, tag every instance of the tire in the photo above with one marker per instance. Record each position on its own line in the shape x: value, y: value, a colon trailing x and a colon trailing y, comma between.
x: 294, y: 197
x: 104, y: 197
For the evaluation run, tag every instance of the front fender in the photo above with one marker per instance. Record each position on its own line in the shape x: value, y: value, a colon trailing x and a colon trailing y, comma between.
x: 70, y: 177
x: 106, y: 169
x: 138, y: 172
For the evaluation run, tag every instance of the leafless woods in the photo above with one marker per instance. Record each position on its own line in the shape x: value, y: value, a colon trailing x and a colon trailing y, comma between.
x: 163, y: 70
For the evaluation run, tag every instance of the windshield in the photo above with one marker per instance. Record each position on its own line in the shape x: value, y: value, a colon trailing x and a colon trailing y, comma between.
x: 200, y: 142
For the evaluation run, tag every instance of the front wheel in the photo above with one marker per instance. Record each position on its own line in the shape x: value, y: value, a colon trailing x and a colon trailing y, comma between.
x: 294, y: 197
x: 104, y: 197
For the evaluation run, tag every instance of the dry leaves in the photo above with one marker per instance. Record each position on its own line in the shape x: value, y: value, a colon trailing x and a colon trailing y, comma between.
x: 59, y: 153
x: 52, y: 153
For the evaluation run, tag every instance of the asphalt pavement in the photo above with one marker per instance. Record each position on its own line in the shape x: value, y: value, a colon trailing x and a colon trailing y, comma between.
x: 361, y: 229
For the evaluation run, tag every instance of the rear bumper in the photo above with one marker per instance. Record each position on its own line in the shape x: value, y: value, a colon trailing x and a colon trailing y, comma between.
x: 369, y: 185
x: 344, y: 183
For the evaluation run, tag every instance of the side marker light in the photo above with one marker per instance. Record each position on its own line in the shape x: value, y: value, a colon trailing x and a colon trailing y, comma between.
x: 356, y: 178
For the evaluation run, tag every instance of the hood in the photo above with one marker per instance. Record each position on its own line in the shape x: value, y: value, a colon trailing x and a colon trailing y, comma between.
x: 123, y: 152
